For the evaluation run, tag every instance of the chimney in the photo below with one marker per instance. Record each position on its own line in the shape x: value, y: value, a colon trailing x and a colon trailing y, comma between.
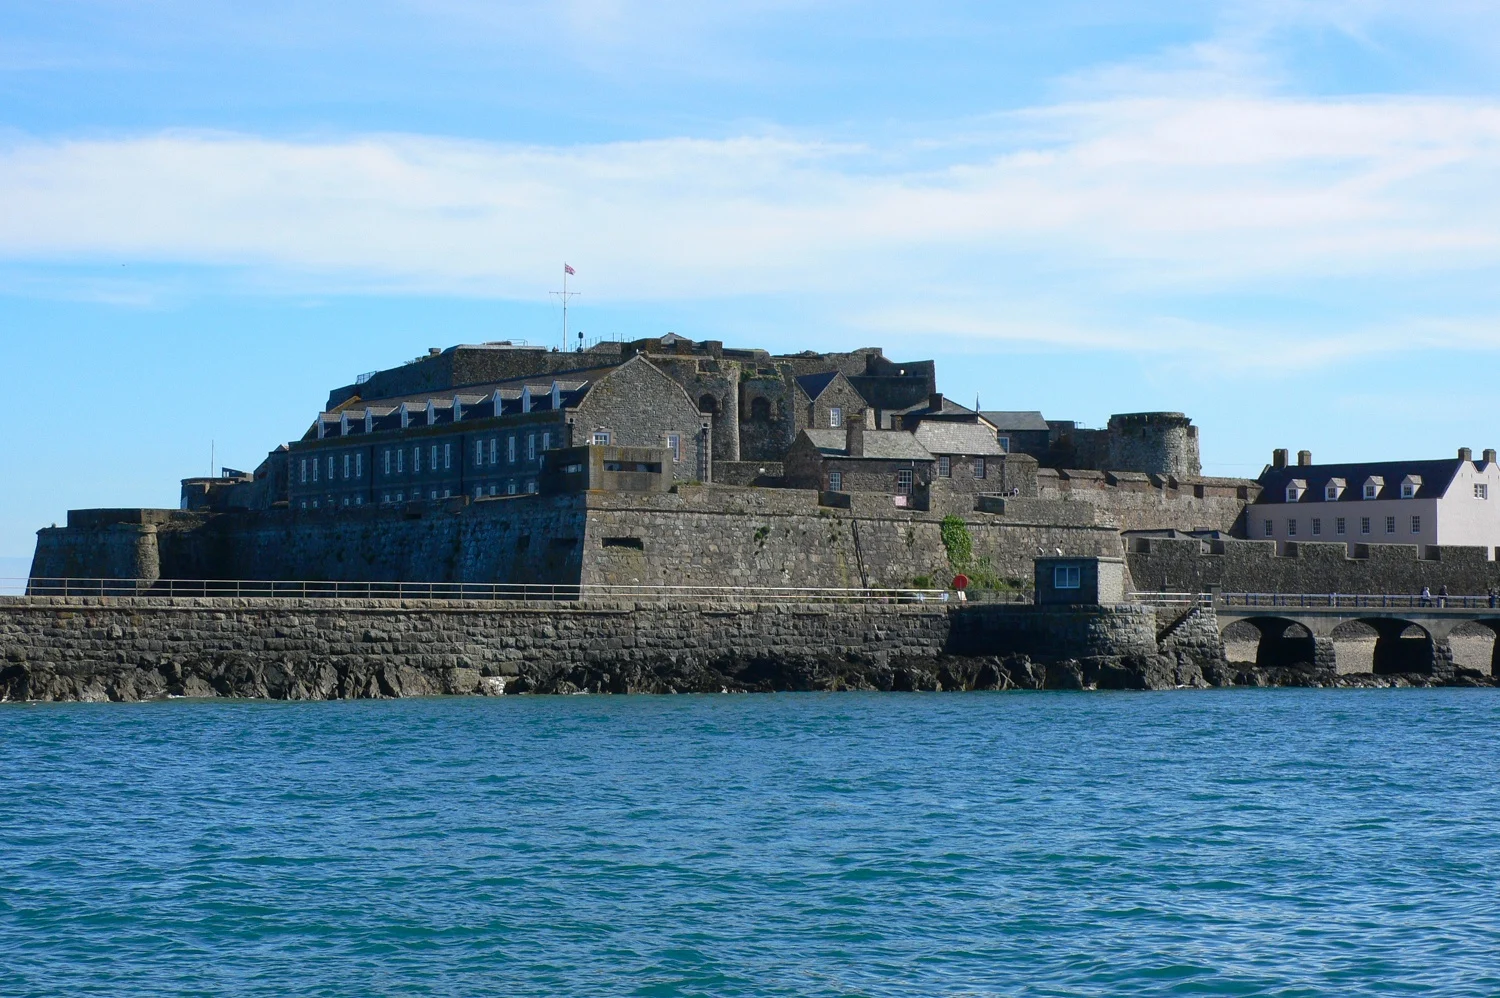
x: 1304, y: 458
x: 1489, y: 455
x: 1465, y: 454
x: 854, y: 434
x: 935, y: 402
x: 1278, y: 458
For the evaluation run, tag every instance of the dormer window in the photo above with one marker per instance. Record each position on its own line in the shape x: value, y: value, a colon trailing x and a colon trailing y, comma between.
x: 1409, y: 486
x: 1373, y: 485
x: 1294, y: 489
x: 1334, y: 490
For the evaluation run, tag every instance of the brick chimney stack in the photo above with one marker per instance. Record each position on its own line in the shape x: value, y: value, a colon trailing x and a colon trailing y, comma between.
x: 935, y: 402
x: 1304, y: 458
x: 1489, y: 455
x: 1278, y: 458
x: 1465, y: 454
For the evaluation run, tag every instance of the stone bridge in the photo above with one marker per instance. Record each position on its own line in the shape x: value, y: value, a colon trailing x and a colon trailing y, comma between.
x: 1362, y: 635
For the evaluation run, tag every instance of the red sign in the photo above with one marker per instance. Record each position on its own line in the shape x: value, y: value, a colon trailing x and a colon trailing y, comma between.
x: 960, y: 582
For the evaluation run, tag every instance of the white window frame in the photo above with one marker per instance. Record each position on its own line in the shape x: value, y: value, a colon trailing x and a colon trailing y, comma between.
x: 1390, y: 524
x: 359, y: 464
x: 945, y: 466
x: 531, y: 446
x: 330, y: 467
x: 433, y: 465
x: 304, y: 469
x: 1067, y: 577
x: 1005, y: 444
x: 546, y: 441
x: 601, y: 438
x: 674, y: 444
x: 347, y: 465
x: 1317, y: 527
x: 1270, y: 529
x: 387, y: 460
x: 478, y: 453
x: 510, y: 449
x: 1291, y: 528
x: 835, y: 417
x: 906, y: 482
x: 1364, y: 525
x: 447, y: 455
x: 1481, y: 490
x: 1416, y: 524
x: 1338, y: 525
x: 400, y: 460
x: 980, y: 468
x: 835, y: 481
x: 416, y: 460
x: 494, y: 451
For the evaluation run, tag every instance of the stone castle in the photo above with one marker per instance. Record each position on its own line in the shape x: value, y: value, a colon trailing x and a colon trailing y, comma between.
x: 660, y: 461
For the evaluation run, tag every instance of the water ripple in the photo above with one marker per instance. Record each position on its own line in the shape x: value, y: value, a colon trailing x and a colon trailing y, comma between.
x: 1249, y: 842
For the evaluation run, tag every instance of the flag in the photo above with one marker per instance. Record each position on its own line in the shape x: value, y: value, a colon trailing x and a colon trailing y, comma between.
x: 568, y: 270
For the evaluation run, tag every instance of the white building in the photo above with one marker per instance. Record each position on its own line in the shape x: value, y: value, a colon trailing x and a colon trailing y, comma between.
x: 1453, y: 502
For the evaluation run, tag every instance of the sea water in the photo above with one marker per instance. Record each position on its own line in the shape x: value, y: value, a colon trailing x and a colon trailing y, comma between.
x: 1247, y: 842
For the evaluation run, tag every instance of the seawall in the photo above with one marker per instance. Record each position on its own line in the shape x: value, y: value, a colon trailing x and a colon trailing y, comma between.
x: 127, y: 648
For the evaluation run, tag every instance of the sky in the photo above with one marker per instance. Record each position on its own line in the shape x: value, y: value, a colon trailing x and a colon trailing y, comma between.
x: 1277, y: 216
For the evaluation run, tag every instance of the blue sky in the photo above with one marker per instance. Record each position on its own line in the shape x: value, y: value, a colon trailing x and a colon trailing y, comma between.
x: 1277, y: 216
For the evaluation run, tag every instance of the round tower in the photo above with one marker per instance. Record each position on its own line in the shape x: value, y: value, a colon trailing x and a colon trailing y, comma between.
x: 1156, y: 443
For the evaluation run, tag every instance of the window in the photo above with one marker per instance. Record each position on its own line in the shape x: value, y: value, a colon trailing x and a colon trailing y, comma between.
x: 401, y: 462
x: 447, y: 456
x: 1291, y: 528
x: 479, y: 452
x: 835, y: 417
x: 432, y: 494
x: 1370, y: 491
x: 330, y: 467
x: 304, y: 469
x: 1416, y: 524
x: 674, y: 444
x: 345, y: 502
x: 416, y: 460
x: 1067, y: 577
x: 1270, y: 530
x: 359, y: 465
x: 510, y: 488
x: 835, y: 481
x: 1408, y: 490
x: 531, y: 446
x: 1317, y: 527
x: 510, y: 449
x: 1364, y: 524
x: 1338, y: 525
x: 492, y: 490
x: 359, y: 500
x: 1005, y: 444
x: 385, y: 496
x: 979, y: 468
x: 346, y: 466
x: 387, y: 460
x: 316, y: 465
x: 1390, y: 524
x: 903, y: 483
x: 447, y: 493
x: 945, y: 466
x: 304, y: 504
x: 494, y: 456
x: 601, y: 438
x: 1331, y: 493
x: 1481, y: 491
x: 478, y: 491
x: 531, y: 485
x: 315, y: 504
x: 433, y: 465
x: 401, y: 497
x: 546, y: 440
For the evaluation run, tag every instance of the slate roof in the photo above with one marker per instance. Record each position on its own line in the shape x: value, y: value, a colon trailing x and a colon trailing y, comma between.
x: 945, y: 437
x: 814, y: 384
x: 1015, y: 420
x: 1436, y: 477
x: 880, y: 445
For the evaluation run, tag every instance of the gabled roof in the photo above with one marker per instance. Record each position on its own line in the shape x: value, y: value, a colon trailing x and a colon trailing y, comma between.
x: 815, y: 384
x: 880, y: 445
x: 1023, y: 419
x: 947, y: 437
x: 1436, y: 477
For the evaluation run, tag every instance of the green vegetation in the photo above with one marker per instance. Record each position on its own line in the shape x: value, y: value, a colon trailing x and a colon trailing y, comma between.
x: 959, y: 545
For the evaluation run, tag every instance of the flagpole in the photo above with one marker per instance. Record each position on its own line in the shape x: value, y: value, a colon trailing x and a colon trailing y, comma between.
x: 565, y: 308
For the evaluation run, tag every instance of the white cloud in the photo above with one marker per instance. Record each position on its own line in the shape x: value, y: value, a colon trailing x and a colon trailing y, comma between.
x: 1205, y: 195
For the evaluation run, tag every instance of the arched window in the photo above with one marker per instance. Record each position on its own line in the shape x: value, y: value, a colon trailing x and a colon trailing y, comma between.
x: 708, y: 404
x: 760, y: 410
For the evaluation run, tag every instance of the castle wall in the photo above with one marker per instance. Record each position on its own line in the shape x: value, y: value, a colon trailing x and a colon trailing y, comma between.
x: 1141, y: 502
x: 1190, y: 565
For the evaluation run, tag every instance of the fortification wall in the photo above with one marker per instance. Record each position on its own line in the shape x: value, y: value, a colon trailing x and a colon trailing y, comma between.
x: 1254, y: 566
x: 1146, y: 502
x: 128, y: 649
x: 698, y: 535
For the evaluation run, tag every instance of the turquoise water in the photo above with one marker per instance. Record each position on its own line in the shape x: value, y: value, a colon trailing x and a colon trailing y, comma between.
x: 1278, y: 842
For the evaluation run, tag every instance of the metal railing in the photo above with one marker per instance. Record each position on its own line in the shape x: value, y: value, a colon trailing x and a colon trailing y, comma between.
x: 299, y: 589
x: 1359, y: 601
x: 1173, y: 599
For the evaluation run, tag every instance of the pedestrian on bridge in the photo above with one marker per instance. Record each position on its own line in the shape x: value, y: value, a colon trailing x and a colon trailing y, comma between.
x: 1426, y: 596
x: 1442, y: 596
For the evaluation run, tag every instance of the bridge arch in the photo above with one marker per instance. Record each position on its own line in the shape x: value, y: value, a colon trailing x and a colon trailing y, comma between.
x: 1474, y: 646
x: 1279, y: 642
x: 1383, y: 645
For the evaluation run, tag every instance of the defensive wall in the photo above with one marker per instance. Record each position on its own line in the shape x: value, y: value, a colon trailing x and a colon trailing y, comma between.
x: 695, y: 535
x: 1139, y: 501
x: 133, y: 648
x: 1193, y: 565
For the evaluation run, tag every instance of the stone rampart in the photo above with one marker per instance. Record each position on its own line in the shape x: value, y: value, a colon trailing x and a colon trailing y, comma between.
x: 1191, y: 565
